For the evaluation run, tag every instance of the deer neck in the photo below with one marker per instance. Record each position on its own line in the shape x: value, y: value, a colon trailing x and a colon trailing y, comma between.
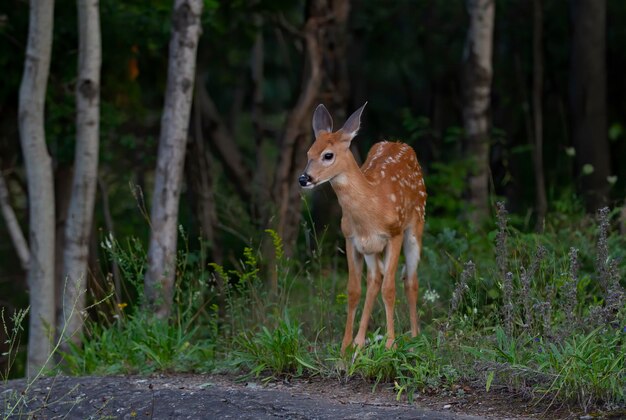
x: 355, y: 193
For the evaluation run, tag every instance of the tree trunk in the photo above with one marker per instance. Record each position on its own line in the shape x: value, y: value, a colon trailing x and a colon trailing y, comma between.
x: 541, y: 203
x: 200, y: 182
x: 223, y: 142
x: 477, y: 75
x: 78, y: 227
x: 334, y: 95
x: 588, y: 115
x: 261, y: 176
x: 63, y: 176
x: 13, y: 226
x: 296, y: 137
x: 40, y: 185
x: 159, y: 280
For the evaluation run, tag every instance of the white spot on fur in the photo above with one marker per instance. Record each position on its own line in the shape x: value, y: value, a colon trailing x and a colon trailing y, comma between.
x: 392, y: 197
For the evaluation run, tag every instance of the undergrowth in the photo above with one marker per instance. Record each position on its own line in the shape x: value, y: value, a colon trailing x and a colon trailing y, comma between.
x: 541, y: 314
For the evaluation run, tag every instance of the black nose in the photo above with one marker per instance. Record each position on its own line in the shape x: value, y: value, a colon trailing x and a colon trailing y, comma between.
x: 304, y: 179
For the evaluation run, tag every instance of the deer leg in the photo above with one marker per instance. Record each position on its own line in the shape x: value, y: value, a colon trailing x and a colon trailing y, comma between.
x: 355, y: 270
x: 389, y: 284
x: 412, y: 250
x: 373, y: 287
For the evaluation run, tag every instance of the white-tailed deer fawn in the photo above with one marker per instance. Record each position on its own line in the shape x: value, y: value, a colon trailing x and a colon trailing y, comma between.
x: 383, y: 204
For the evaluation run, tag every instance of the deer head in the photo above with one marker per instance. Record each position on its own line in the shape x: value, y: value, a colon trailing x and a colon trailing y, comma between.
x: 329, y: 154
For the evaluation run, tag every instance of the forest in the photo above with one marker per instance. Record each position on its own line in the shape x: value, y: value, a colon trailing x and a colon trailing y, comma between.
x: 153, y: 219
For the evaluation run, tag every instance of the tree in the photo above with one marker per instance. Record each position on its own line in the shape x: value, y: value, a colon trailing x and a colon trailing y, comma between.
x: 476, y: 80
x: 13, y: 226
x: 587, y: 102
x: 541, y: 203
x: 80, y: 213
x: 296, y: 137
x: 275, y: 199
x: 40, y: 185
x: 159, y: 279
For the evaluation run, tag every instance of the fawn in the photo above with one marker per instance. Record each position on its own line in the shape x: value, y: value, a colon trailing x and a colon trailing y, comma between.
x: 383, y: 208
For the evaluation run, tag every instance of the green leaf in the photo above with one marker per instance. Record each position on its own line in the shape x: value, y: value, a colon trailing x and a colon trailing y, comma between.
x: 490, y: 377
x: 615, y: 131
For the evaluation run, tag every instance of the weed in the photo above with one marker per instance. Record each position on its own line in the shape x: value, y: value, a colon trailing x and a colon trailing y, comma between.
x: 281, y: 352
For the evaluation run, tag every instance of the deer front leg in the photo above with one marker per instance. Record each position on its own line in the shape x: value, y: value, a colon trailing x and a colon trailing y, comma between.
x: 389, y: 284
x: 373, y: 287
x: 355, y: 270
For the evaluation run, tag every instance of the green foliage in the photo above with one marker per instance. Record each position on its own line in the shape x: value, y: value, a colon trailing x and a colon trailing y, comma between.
x: 137, y: 342
x: 560, y: 339
x: 586, y: 368
x: 13, y: 329
x: 140, y: 344
x: 412, y: 365
x: 281, y: 352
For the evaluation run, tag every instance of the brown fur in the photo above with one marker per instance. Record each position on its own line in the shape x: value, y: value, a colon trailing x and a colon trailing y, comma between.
x: 383, y: 205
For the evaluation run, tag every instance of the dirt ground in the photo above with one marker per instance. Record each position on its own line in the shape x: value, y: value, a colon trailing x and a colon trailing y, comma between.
x: 223, y: 397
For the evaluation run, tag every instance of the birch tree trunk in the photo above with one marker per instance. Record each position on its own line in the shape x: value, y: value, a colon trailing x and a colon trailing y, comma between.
x: 159, y: 279
x: 40, y: 185
x: 477, y: 75
x: 588, y: 114
x: 80, y: 213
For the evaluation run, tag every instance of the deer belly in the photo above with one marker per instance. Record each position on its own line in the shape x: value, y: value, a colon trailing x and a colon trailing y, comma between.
x: 371, y: 244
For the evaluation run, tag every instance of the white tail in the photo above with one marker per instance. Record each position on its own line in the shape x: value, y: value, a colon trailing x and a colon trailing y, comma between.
x: 383, y: 205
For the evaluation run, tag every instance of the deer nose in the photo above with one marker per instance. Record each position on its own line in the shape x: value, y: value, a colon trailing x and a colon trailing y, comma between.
x: 304, y: 179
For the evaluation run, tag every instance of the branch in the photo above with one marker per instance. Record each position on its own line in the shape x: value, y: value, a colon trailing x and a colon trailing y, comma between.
x: 284, y: 24
x: 295, y: 121
x: 15, y: 231
x: 296, y: 132
x: 223, y: 141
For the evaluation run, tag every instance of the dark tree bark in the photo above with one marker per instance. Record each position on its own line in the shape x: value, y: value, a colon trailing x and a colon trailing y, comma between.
x: 223, y: 142
x: 541, y: 203
x: 262, y: 174
x: 296, y: 137
x: 334, y: 95
x: 200, y: 181
x: 161, y: 271
x: 63, y: 174
x: 587, y: 106
x: 476, y: 79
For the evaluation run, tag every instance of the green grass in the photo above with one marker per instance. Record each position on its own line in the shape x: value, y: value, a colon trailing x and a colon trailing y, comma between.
x: 280, y: 352
x: 140, y: 344
x: 529, y: 313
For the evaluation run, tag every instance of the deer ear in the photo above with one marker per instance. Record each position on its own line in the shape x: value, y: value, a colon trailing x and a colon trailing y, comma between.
x: 352, y: 125
x: 322, y: 121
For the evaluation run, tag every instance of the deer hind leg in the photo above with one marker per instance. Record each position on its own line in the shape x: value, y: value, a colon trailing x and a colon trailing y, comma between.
x: 412, y: 249
x: 355, y: 270
x: 373, y: 287
x: 389, y: 284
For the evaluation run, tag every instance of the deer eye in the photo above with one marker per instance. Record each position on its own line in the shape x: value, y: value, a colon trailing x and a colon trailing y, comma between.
x: 327, y: 156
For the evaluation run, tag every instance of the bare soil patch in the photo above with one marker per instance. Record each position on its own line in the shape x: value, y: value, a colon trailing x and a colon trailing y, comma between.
x: 222, y: 396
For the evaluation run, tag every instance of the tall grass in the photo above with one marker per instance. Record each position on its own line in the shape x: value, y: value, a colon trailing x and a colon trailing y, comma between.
x: 542, y: 314
x: 539, y: 316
